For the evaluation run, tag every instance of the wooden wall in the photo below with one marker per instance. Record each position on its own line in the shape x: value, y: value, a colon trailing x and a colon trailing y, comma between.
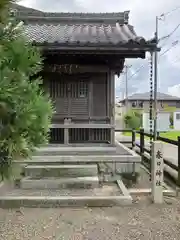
x: 80, y: 96
x: 86, y: 99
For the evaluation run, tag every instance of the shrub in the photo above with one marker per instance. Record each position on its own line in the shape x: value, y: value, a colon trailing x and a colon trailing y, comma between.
x: 171, y: 120
x: 133, y: 120
x: 25, y: 110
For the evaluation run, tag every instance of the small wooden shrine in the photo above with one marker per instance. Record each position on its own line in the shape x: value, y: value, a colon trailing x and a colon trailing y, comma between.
x: 83, y: 52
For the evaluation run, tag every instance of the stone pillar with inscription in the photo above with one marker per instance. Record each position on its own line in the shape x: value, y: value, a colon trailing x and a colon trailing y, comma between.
x: 157, y: 172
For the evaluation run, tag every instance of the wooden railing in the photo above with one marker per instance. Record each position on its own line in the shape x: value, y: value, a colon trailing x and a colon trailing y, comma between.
x: 143, y: 148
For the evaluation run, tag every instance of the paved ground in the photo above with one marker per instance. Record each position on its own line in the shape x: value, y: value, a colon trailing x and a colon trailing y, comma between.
x: 142, y: 221
x: 170, y: 151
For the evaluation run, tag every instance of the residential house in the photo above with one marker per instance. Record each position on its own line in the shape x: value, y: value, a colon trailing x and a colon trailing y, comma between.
x: 141, y: 102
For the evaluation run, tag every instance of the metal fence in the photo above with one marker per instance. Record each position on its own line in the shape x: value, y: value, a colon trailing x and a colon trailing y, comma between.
x: 143, y: 149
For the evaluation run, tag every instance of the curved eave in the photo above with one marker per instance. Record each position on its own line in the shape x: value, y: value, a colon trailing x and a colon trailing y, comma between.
x: 100, y: 47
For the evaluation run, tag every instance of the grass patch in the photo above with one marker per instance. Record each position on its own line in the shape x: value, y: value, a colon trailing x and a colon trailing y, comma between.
x: 129, y: 134
x: 173, y: 135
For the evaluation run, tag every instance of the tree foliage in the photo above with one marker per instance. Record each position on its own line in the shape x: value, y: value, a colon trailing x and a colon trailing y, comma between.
x: 25, y: 110
x: 133, y: 120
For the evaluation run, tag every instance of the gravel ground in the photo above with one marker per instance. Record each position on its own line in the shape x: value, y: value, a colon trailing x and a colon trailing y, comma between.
x: 142, y: 221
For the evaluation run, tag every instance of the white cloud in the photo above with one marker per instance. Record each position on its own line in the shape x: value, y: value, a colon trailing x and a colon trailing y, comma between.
x: 28, y: 3
x: 174, y: 90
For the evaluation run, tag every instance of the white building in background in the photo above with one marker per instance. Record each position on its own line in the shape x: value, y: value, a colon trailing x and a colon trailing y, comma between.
x: 176, y: 119
x: 163, y: 123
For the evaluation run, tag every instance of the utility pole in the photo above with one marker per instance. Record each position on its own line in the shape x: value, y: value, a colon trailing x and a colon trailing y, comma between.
x: 126, y: 86
x: 155, y: 80
x: 156, y: 64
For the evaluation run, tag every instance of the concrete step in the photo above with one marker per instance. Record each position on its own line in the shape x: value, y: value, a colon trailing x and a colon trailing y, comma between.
x: 55, y: 183
x: 121, y: 163
x: 63, y: 151
x: 61, y: 170
x: 70, y: 159
x: 64, y: 201
x: 104, y: 196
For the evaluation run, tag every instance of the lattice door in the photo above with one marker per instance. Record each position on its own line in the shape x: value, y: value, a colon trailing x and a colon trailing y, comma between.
x: 59, y: 95
x: 78, y: 97
x: 70, y: 96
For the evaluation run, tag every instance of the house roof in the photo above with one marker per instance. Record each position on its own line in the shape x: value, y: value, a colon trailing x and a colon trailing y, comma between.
x: 146, y: 96
x: 81, y: 29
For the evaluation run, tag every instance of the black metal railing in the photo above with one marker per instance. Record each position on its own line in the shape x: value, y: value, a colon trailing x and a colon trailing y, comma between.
x: 141, y: 145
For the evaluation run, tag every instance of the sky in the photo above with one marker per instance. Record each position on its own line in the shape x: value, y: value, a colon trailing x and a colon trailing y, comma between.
x: 142, y: 17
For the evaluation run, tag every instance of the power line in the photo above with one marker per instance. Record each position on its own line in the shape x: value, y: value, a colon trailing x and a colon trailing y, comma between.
x: 143, y: 65
x: 170, y: 34
x: 172, y: 46
x: 169, y: 12
x: 174, y: 30
x: 138, y: 70
x: 162, y: 38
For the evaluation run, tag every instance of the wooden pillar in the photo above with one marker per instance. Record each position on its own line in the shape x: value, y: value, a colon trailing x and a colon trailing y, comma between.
x: 66, y: 131
x: 112, y: 105
x: 108, y: 95
x: 91, y: 106
x: 90, y: 93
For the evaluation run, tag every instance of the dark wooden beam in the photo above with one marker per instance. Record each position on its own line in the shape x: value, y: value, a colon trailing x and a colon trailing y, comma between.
x: 72, y: 63
x: 101, y: 48
x: 83, y: 60
x: 126, y: 53
x: 72, y: 68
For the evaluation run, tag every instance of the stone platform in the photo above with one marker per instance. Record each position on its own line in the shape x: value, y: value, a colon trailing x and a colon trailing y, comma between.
x: 81, y: 150
x: 119, y: 158
x: 106, y: 195
x: 61, y: 170
x: 60, y: 176
x: 59, y: 183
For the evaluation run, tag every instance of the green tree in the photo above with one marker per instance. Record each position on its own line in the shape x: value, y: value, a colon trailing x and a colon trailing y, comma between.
x: 25, y: 110
x: 133, y: 120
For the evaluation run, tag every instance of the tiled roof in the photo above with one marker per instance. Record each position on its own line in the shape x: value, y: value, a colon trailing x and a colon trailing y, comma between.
x: 121, y: 17
x: 80, y: 29
x: 102, y: 34
x: 23, y: 12
x: 146, y: 96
